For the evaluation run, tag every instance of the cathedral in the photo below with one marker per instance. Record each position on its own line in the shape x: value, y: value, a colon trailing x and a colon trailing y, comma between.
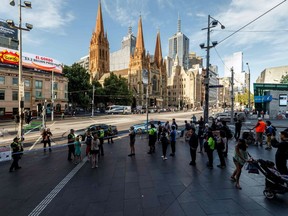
x: 146, y: 75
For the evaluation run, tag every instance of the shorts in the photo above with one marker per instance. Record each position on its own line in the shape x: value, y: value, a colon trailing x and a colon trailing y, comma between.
x: 132, y: 142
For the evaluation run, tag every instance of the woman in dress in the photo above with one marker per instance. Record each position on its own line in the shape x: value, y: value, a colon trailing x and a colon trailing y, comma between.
x: 77, y: 144
x: 239, y: 159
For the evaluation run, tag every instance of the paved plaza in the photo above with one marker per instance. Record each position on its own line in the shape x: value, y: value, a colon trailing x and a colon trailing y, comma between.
x: 48, y: 184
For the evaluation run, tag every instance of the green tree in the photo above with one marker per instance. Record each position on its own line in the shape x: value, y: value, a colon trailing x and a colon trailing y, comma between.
x: 79, y: 87
x: 284, y: 79
x: 116, y: 90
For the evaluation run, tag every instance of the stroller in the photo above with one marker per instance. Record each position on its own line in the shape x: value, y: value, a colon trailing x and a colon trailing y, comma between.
x: 275, y: 183
x: 248, y: 136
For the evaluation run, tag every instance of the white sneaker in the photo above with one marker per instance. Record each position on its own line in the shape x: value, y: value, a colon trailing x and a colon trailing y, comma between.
x: 164, y: 158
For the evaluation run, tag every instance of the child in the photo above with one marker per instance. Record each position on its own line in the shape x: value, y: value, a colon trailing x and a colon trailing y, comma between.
x: 77, y: 144
x: 94, y: 151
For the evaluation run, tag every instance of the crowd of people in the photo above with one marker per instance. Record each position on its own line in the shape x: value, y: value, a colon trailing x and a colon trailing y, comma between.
x: 200, y: 136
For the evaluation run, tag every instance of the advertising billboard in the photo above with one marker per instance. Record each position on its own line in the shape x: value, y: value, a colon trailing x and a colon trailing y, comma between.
x: 283, y: 100
x: 6, y: 31
x: 11, y: 57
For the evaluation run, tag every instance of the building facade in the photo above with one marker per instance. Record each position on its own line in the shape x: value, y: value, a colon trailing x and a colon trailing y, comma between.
x: 37, y: 91
x: 179, y: 45
x: 272, y: 75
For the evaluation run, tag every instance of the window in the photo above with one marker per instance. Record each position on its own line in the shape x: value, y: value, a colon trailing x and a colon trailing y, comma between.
x: 55, y: 86
x: 27, y: 83
x: 66, y: 95
x: 27, y: 96
x: 2, y: 80
x: 38, y: 84
x: 38, y: 94
x: 66, y: 87
x: 2, y: 111
x: 2, y: 94
x: 15, y: 95
x: 15, y: 81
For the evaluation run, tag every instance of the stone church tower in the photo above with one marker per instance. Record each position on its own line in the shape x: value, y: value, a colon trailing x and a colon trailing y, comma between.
x: 99, y: 50
x: 147, y: 77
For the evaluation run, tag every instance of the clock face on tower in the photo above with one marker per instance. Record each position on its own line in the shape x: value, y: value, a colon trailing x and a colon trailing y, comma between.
x: 145, y: 76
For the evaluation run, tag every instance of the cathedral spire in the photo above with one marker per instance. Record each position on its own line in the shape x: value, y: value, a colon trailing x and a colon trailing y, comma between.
x: 99, y: 21
x: 179, y: 24
x: 140, y: 39
x: 158, y: 50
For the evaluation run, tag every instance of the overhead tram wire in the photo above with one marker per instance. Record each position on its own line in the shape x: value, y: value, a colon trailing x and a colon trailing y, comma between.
x: 252, y: 21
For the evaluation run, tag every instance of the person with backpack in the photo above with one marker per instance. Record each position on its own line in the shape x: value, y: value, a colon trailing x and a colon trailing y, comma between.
x: 16, y: 150
x: 228, y: 136
x: 88, y: 142
x: 165, y: 142
x: 270, y: 131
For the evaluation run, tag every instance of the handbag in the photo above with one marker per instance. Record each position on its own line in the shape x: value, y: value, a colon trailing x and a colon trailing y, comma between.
x: 252, y: 168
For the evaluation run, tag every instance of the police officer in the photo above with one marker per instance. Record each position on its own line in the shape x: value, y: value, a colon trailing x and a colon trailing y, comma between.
x: 71, y: 147
x: 110, y: 134
x: 16, y: 154
x: 101, y: 139
x: 152, y: 138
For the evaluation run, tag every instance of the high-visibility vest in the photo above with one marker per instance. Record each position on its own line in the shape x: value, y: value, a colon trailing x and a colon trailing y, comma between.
x: 101, y: 133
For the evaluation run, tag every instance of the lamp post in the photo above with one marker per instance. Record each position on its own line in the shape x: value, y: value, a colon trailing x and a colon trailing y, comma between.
x: 52, y: 97
x: 92, y: 114
x: 211, y: 24
x: 249, y: 107
x: 27, y: 4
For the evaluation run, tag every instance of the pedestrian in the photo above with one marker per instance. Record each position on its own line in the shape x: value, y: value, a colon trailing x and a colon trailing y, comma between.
x: 210, y: 146
x: 101, y: 135
x: 201, y: 123
x: 270, y: 131
x: 228, y: 135
x: 17, y: 151
x: 88, y: 141
x: 186, y: 128
x: 94, y: 151
x: 110, y: 134
x: 132, y: 135
x: 174, y: 123
x: 167, y: 126
x: 71, y: 147
x: 159, y: 131
x: 201, y: 138
x: 62, y: 115
x: 45, y: 139
x: 173, y: 140
x: 240, y: 158
x: 281, y: 155
x: 260, y: 129
x: 194, y: 119
x: 221, y: 148
x: 238, y: 126
x: 165, y: 142
x: 49, y: 135
x: 193, y: 143
x: 77, y: 143
x: 152, y: 138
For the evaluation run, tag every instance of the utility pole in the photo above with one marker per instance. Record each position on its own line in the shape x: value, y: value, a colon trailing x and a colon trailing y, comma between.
x: 147, y: 95
x: 44, y: 115
x: 52, y: 97
x: 92, y: 114
x: 232, y: 95
x: 249, y: 102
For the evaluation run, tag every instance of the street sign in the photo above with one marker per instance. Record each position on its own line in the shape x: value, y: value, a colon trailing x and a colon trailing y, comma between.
x: 216, y: 86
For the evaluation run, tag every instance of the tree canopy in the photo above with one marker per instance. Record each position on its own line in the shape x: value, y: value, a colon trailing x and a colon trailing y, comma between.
x: 284, y: 79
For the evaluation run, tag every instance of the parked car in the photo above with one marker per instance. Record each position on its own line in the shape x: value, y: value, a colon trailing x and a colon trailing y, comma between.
x: 142, y: 128
x: 94, y: 129
x: 226, y: 116
x: 119, y: 110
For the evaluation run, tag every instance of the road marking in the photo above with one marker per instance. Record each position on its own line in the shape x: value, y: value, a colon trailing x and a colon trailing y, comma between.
x: 45, y: 202
x: 35, y: 143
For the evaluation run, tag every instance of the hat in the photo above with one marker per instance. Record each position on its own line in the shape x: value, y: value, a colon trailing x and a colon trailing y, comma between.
x: 259, y: 118
x: 206, y: 124
x: 16, y: 139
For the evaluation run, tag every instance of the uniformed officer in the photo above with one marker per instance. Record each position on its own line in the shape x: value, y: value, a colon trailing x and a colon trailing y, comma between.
x: 16, y: 154
x: 101, y: 139
x: 152, y: 138
x: 110, y: 134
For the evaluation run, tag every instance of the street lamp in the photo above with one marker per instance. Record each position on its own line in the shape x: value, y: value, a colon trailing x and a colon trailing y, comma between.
x: 27, y: 4
x: 211, y: 24
x: 248, y: 87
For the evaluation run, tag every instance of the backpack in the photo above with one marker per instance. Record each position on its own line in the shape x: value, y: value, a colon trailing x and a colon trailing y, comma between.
x: 274, y: 130
x: 88, y: 140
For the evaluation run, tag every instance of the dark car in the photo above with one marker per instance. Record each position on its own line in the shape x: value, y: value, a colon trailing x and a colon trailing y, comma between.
x: 142, y: 128
x: 94, y: 129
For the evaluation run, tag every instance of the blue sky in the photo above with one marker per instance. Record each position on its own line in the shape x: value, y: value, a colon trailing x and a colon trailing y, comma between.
x: 62, y: 29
